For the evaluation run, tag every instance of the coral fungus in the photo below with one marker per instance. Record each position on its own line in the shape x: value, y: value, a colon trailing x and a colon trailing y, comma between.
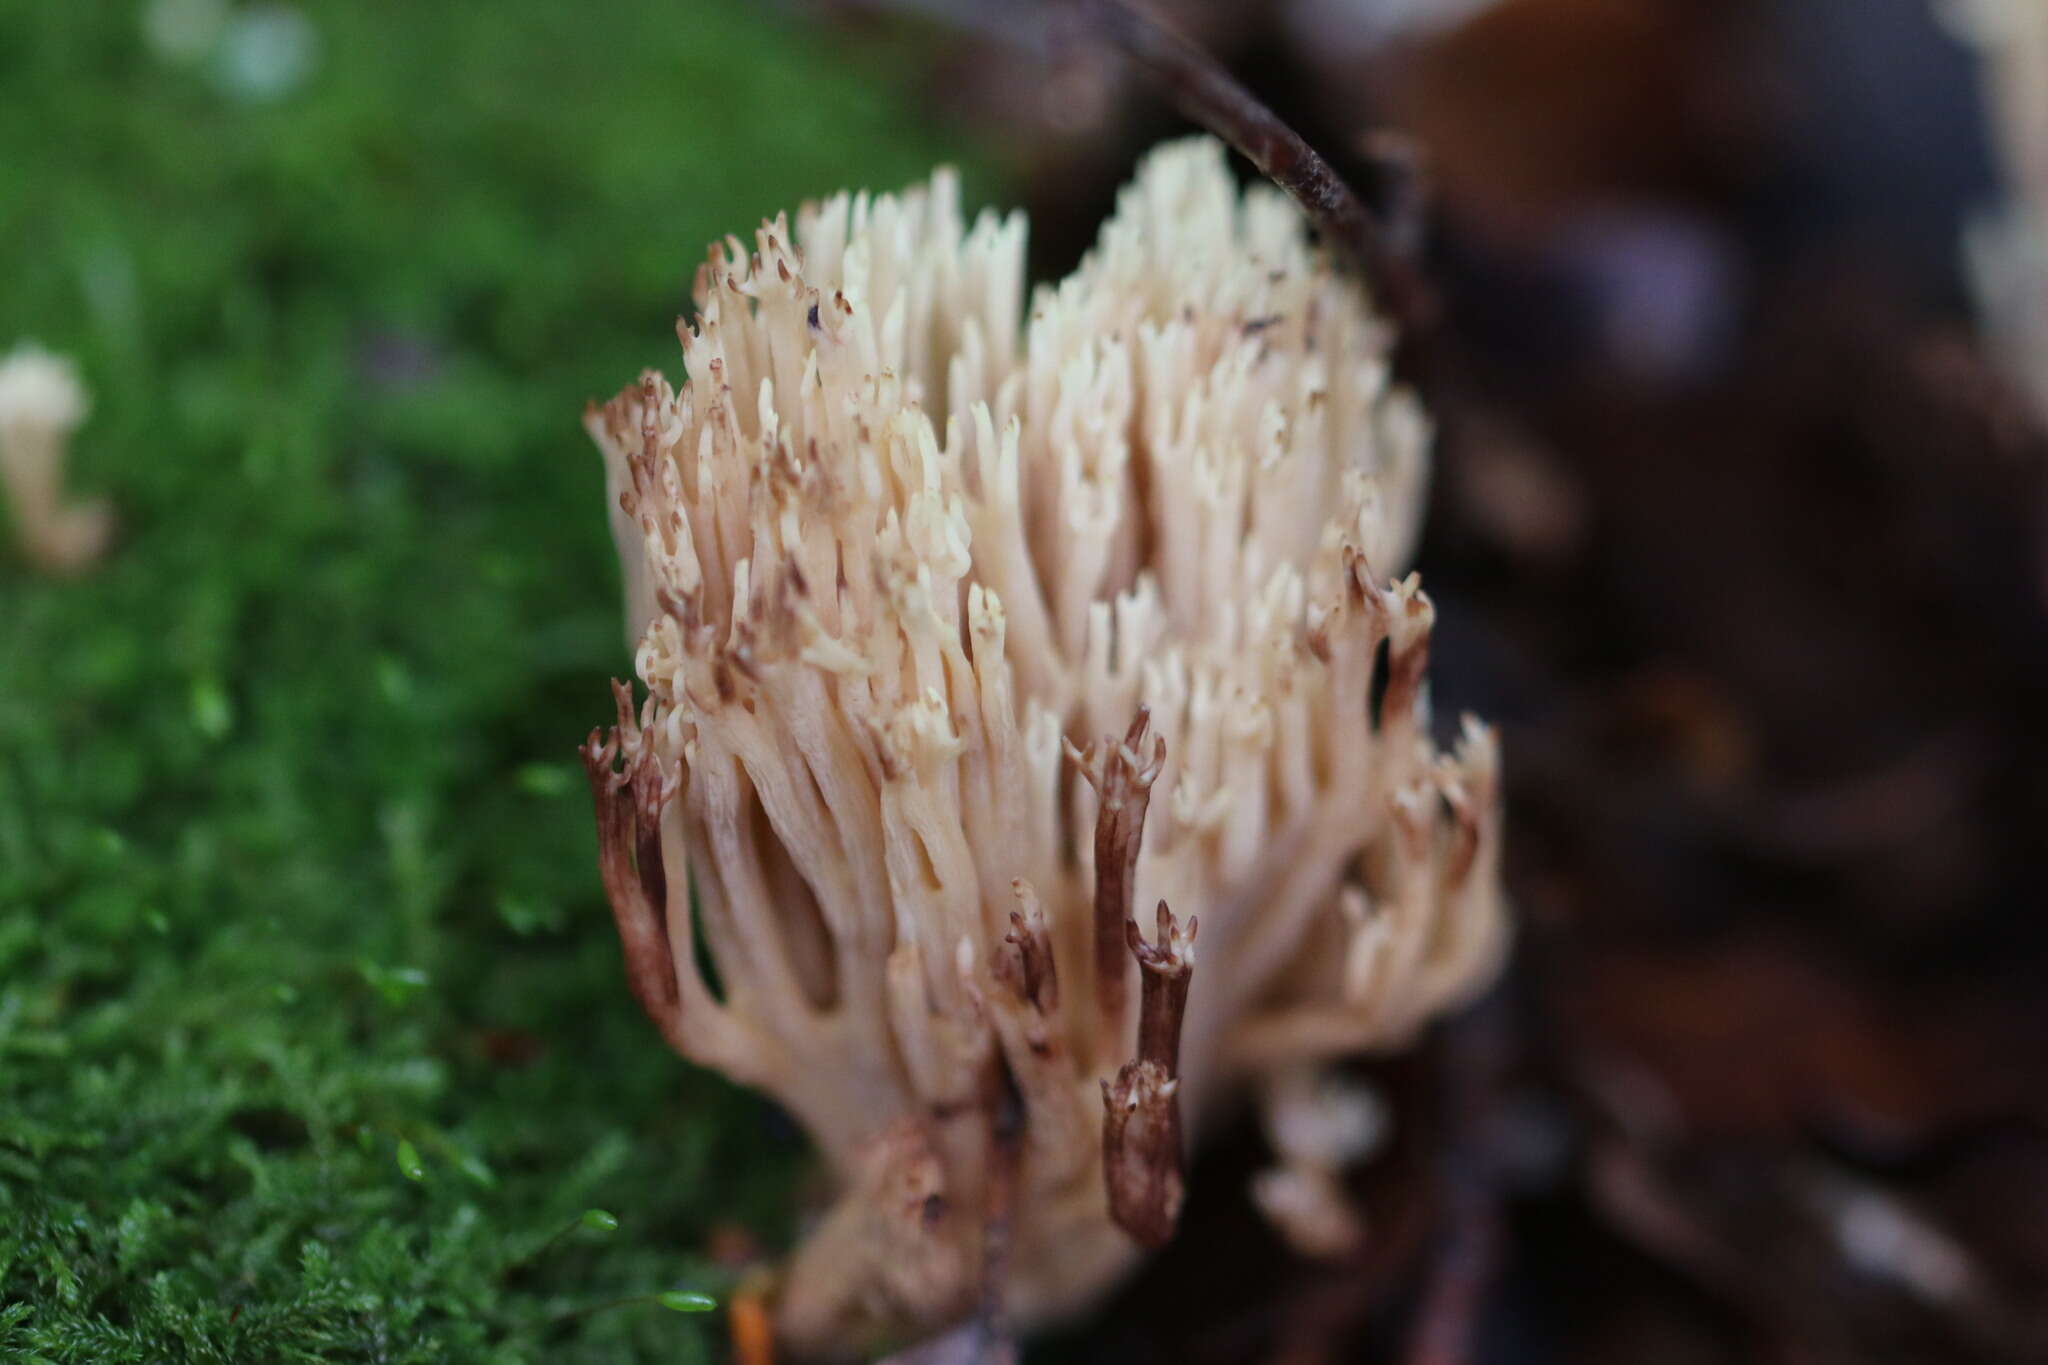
x: 972, y: 639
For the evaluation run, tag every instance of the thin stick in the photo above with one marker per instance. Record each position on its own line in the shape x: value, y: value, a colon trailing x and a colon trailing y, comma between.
x: 1210, y: 96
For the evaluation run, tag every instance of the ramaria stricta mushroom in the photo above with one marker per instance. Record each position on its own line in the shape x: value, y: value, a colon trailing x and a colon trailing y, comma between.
x: 996, y: 666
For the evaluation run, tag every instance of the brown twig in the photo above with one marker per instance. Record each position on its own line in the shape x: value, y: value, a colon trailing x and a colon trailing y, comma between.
x: 1210, y: 96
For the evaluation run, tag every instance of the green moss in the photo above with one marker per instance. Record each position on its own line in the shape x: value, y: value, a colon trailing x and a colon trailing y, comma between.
x: 313, y: 1036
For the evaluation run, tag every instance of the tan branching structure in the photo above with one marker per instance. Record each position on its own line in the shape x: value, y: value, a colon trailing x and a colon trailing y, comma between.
x: 41, y: 403
x: 966, y: 632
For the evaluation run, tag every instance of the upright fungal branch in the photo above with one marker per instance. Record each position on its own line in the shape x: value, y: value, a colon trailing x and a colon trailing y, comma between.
x: 1141, y: 1138
x: 965, y: 630
x: 1122, y: 775
x: 41, y: 404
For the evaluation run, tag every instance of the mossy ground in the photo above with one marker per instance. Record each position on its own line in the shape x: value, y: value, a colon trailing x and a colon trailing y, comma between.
x: 295, y: 859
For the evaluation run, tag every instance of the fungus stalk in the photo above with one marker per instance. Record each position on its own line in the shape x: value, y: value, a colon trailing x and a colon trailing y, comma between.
x: 965, y: 631
x: 41, y: 404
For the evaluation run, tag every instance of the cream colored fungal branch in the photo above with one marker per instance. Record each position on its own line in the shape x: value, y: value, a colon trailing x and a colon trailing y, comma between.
x: 41, y: 403
x: 966, y: 628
